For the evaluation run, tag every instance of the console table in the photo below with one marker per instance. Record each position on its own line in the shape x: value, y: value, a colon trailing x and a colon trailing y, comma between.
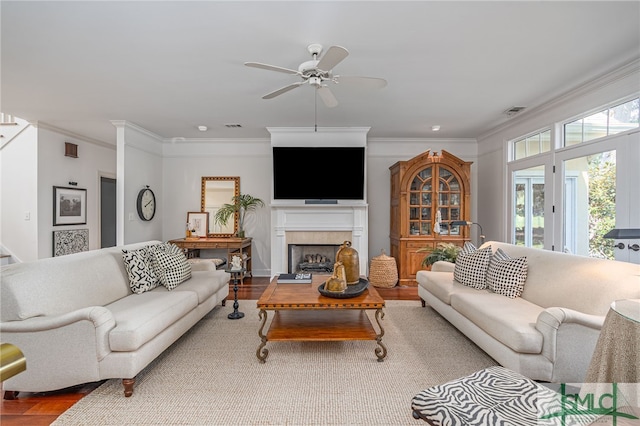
x: 233, y: 246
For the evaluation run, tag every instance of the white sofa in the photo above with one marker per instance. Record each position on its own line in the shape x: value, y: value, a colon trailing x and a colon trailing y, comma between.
x: 550, y: 332
x: 76, y: 319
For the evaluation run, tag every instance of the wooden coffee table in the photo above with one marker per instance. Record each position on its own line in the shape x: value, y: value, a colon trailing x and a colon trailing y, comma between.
x: 301, y: 313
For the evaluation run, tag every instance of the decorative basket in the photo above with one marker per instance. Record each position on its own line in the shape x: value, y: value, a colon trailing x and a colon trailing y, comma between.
x: 383, y: 271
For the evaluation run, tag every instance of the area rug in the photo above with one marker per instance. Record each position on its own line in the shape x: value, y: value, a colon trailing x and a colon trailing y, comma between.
x: 211, y: 376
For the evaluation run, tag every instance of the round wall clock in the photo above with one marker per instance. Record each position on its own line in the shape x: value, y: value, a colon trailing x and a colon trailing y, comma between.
x: 146, y: 204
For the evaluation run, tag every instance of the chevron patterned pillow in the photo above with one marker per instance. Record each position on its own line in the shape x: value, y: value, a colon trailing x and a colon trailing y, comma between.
x: 142, y: 277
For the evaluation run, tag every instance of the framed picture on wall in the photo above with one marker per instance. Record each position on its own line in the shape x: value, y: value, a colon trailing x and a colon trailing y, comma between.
x: 69, y: 206
x: 198, y: 223
x: 70, y: 241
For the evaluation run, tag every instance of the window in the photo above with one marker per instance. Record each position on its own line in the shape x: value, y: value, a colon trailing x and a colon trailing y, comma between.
x: 532, y: 145
x: 610, y: 121
x: 529, y: 207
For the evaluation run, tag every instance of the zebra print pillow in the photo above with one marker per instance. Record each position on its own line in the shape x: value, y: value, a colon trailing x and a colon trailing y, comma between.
x: 471, y: 266
x: 141, y: 274
x: 506, y: 275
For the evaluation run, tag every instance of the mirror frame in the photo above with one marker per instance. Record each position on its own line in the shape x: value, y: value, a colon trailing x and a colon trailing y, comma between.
x: 236, y: 192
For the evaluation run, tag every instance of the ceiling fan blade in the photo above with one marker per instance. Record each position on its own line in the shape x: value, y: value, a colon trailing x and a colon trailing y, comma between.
x: 271, y: 67
x: 282, y: 90
x: 327, y: 97
x: 332, y: 57
x: 369, y: 82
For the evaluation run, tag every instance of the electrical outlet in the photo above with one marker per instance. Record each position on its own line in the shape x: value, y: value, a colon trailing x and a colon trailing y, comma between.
x: 27, y: 215
x: 130, y: 216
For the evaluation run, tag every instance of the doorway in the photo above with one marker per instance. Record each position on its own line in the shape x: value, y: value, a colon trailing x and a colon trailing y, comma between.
x: 107, y: 212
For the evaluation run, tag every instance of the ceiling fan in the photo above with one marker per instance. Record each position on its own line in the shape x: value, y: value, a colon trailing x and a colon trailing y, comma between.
x: 318, y: 73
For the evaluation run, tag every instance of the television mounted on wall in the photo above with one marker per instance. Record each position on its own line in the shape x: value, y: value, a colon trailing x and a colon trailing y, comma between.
x: 318, y: 173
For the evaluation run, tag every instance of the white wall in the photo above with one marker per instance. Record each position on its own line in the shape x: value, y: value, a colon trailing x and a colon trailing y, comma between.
x: 54, y: 169
x: 139, y: 164
x: 492, y: 146
x: 186, y: 162
x: 19, y: 195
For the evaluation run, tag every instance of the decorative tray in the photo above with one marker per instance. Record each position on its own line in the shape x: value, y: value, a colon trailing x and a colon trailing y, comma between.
x: 353, y: 290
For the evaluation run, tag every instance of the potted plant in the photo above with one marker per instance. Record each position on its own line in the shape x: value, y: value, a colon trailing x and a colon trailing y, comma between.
x: 242, y: 204
x: 444, y: 251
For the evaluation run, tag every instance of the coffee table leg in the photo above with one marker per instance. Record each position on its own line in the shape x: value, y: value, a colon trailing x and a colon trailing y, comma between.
x: 381, y: 352
x: 262, y: 352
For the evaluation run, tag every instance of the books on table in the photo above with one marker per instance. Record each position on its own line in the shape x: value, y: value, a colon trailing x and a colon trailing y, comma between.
x: 299, y: 278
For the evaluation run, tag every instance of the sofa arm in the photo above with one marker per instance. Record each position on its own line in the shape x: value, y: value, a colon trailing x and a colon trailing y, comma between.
x: 442, y: 266
x: 569, y: 339
x: 100, y: 318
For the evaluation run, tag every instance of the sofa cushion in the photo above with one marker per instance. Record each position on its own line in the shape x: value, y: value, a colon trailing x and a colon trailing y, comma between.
x: 170, y: 265
x: 510, y: 321
x: 471, y: 266
x: 505, y: 275
x: 204, y: 283
x: 441, y: 285
x: 139, y: 268
x: 141, y: 317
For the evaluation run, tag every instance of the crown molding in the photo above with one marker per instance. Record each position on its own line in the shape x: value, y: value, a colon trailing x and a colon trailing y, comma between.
x: 51, y: 127
x: 620, y: 73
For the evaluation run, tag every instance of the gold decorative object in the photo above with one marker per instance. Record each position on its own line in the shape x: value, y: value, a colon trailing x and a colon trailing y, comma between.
x: 349, y: 258
x: 337, y: 283
x: 12, y: 361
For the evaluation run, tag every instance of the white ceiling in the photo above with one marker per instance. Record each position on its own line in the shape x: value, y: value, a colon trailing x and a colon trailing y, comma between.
x: 169, y: 66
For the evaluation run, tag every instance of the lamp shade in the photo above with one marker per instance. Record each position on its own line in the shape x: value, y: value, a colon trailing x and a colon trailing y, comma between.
x: 623, y: 234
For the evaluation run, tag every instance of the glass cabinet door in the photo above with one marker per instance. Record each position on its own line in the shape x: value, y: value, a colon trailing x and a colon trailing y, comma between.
x: 434, y: 189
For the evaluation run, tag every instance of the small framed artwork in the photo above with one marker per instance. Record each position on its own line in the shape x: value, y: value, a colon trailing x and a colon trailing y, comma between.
x: 71, y: 241
x: 198, y: 223
x: 69, y: 206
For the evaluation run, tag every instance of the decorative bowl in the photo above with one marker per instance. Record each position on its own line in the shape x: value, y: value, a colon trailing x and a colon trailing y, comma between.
x: 354, y: 290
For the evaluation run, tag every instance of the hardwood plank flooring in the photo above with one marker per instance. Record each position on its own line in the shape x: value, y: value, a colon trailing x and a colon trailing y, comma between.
x: 36, y: 409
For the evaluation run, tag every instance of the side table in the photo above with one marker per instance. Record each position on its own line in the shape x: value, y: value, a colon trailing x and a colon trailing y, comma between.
x: 236, y: 274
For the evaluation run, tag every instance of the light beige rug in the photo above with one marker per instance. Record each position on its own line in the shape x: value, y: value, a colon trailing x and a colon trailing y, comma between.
x: 211, y: 376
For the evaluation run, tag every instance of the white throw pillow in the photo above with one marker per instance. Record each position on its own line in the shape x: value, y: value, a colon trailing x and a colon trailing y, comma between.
x: 170, y: 265
x: 506, y: 275
x: 142, y: 277
x: 471, y: 266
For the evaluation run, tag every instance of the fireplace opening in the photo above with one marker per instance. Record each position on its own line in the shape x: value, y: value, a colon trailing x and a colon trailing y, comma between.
x: 312, y: 257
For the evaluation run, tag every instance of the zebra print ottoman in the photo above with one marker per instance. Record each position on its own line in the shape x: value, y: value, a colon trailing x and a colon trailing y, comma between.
x: 494, y: 396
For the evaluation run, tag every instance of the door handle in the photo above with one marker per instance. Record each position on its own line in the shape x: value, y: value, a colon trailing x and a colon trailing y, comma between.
x: 620, y: 246
x: 634, y: 247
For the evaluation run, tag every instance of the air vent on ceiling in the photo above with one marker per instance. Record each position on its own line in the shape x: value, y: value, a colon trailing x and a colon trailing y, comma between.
x: 514, y: 110
x: 233, y: 125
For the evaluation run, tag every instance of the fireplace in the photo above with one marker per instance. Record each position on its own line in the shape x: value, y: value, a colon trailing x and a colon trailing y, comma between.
x: 312, y: 257
x: 319, y: 225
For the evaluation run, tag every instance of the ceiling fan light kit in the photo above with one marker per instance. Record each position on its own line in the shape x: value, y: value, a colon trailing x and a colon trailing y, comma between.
x: 319, y: 73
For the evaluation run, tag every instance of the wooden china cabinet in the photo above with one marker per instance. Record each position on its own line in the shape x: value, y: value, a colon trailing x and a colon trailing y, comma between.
x: 420, y: 188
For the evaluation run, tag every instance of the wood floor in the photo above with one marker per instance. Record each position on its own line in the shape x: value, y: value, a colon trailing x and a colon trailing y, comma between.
x: 36, y: 409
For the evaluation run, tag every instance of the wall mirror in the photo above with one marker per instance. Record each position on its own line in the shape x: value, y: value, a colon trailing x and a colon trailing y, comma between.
x: 216, y: 191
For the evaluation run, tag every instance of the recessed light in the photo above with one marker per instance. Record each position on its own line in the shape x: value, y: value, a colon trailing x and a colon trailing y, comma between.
x: 202, y: 128
x: 435, y: 128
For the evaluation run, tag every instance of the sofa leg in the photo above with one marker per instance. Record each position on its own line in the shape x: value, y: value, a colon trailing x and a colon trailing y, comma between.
x: 128, y: 386
x: 224, y: 302
x: 10, y: 395
x: 424, y: 304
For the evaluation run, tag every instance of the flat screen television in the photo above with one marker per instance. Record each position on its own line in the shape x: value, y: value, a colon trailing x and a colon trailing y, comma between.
x: 318, y: 173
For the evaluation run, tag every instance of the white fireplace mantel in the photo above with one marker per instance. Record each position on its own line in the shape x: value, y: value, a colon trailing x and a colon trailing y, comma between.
x: 318, y: 218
